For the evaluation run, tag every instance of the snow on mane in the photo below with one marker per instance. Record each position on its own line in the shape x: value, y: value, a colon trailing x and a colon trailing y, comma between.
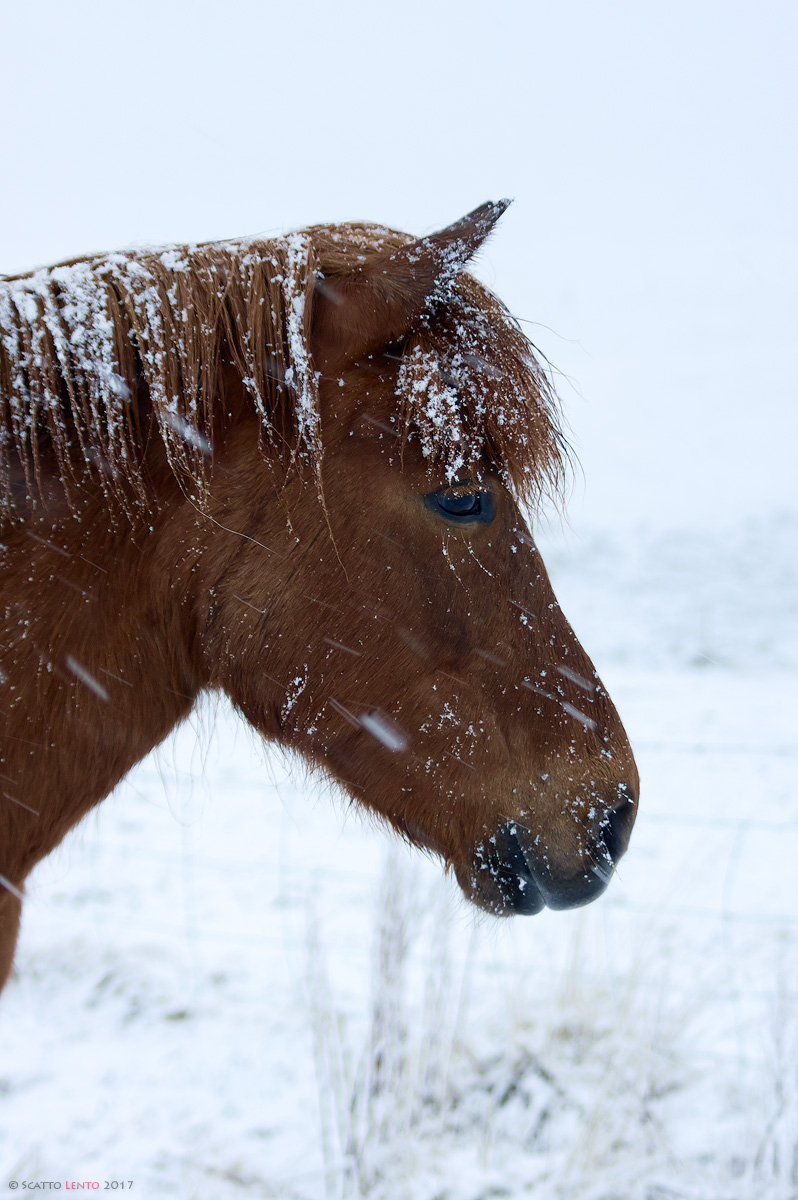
x: 90, y: 348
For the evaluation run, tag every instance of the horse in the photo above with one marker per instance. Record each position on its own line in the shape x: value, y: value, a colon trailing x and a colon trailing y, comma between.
x: 297, y: 471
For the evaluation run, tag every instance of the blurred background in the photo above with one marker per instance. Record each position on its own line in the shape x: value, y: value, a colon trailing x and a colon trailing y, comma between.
x: 223, y: 987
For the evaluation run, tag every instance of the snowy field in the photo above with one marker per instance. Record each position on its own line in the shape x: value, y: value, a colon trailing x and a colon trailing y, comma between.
x: 227, y: 985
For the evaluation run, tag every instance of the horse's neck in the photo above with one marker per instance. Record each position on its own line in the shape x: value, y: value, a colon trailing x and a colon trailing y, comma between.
x: 96, y: 670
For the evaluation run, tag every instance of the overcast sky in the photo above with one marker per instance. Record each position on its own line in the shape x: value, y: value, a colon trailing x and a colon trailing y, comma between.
x: 649, y: 148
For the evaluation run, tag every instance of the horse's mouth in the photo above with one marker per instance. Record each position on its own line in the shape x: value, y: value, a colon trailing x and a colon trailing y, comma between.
x: 508, y: 875
x: 504, y: 890
x: 503, y: 887
x: 512, y: 889
x: 500, y: 880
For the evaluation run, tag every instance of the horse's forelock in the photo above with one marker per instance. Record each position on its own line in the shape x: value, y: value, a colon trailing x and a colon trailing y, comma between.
x: 474, y: 393
x: 471, y: 387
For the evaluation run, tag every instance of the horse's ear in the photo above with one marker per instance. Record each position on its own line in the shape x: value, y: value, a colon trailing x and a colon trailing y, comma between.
x: 359, y: 312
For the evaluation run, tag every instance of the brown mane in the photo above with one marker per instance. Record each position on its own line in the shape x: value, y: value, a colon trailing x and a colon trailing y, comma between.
x: 89, y: 347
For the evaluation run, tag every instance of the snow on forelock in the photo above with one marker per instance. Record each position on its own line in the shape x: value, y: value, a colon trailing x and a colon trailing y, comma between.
x: 471, y: 390
x: 439, y: 412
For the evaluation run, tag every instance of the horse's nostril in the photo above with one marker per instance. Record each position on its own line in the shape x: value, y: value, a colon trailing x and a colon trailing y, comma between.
x: 613, y: 836
x: 618, y: 824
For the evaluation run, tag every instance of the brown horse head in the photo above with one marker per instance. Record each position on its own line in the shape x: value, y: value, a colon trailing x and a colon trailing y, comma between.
x: 401, y: 631
x: 298, y: 471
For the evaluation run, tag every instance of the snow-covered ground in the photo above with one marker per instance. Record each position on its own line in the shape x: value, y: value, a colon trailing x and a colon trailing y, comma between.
x: 228, y: 985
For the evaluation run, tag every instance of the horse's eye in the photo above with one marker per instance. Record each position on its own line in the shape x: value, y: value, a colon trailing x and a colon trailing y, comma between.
x: 462, y: 507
